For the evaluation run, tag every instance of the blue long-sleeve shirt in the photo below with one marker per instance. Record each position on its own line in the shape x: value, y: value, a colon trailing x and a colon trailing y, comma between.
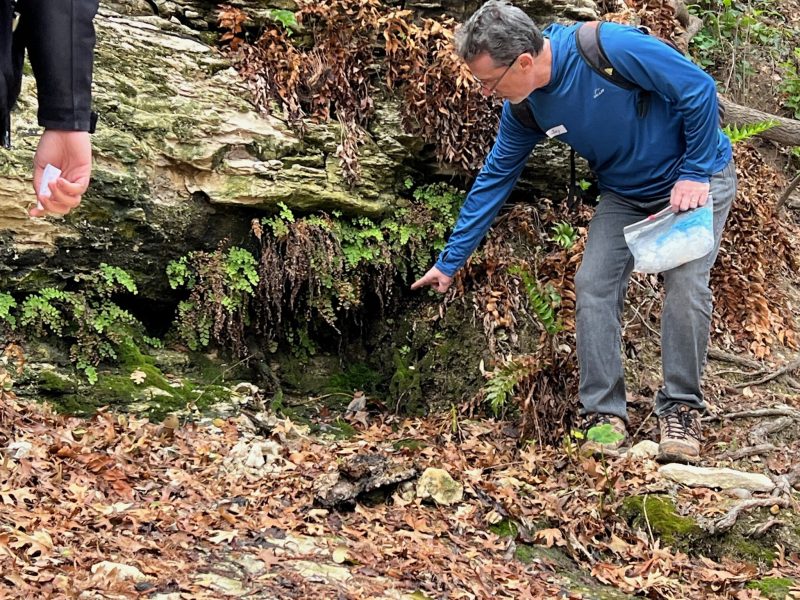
x: 639, y: 158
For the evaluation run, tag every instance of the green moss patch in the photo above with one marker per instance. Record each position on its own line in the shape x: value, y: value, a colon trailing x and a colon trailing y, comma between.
x: 505, y: 528
x: 409, y: 444
x: 658, y: 514
x: 776, y: 588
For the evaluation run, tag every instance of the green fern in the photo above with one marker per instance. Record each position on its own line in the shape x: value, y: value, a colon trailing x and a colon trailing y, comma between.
x: 543, y: 302
x: 738, y: 134
x: 564, y: 235
x: 500, y: 388
x: 7, y: 303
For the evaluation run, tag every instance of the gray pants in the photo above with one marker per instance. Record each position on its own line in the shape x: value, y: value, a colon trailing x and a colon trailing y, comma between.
x: 601, y: 284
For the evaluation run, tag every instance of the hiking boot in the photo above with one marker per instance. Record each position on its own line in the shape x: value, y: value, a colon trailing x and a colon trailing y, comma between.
x: 607, y: 441
x: 680, y: 436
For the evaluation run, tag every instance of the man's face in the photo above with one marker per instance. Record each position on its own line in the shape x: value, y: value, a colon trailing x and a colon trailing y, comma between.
x: 505, y: 81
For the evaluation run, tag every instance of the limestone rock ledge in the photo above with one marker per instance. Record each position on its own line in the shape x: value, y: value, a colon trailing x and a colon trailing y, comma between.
x: 182, y: 160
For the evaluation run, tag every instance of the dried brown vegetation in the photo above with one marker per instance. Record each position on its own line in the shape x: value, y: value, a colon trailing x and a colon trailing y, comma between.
x: 348, y: 52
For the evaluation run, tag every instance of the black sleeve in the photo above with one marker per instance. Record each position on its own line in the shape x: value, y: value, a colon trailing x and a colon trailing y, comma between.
x: 59, y: 35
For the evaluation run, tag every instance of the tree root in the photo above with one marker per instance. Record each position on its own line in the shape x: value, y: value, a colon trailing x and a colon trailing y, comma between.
x: 785, y: 483
x: 749, y: 451
x: 729, y: 520
x: 758, y: 435
x: 787, y: 368
x: 762, y: 529
x: 776, y: 411
x: 718, y: 354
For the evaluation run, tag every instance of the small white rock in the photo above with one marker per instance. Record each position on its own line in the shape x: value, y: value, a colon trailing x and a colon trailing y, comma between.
x: 440, y: 486
x: 644, y: 449
x: 255, y: 458
x: 19, y: 449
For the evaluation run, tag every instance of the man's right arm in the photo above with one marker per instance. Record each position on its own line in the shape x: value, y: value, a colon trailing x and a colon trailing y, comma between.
x: 492, y: 187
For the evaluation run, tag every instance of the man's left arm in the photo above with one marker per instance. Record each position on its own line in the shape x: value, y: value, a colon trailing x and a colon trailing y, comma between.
x: 654, y: 66
x: 60, y: 40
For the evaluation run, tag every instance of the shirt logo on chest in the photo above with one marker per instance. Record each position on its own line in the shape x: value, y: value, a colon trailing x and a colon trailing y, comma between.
x: 598, y: 91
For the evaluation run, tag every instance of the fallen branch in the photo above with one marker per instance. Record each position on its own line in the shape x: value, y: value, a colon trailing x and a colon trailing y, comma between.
x: 749, y: 451
x: 785, y: 132
x: 795, y: 364
x: 729, y: 520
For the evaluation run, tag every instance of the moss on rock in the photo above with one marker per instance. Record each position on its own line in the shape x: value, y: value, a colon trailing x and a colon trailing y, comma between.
x: 658, y: 514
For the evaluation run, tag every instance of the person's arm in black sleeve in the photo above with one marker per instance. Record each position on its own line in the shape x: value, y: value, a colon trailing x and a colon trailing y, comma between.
x: 60, y: 39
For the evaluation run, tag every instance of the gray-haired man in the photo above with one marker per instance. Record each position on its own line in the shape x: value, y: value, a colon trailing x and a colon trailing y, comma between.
x: 653, y: 144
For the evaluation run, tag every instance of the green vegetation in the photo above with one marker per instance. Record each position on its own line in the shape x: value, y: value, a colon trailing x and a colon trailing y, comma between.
x: 220, y: 284
x: 775, y: 588
x: 790, y: 85
x: 658, y: 514
x: 543, y: 301
x: 729, y: 25
x: 7, y: 305
x: 312, y: 270
x: 738, y: 134
x: 604, y: 434
x: 87, y: 319
x: 500, y: 388
x: 505, y: 528
x: 564, y: 235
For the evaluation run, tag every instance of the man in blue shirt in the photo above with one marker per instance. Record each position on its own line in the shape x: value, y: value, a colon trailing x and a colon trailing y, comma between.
x: 671, y: 154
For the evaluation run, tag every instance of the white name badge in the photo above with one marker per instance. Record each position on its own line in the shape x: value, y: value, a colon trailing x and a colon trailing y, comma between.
x: 557, y: 130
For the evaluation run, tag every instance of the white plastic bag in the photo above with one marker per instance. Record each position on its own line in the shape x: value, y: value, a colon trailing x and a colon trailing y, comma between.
x: 667, y: 240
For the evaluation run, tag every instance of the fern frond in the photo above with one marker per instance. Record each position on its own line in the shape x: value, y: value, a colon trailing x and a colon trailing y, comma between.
x: 738, y: 134
x: 500, y: 388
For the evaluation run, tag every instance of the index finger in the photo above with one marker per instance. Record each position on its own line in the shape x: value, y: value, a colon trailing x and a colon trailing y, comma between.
x: 422, y: 281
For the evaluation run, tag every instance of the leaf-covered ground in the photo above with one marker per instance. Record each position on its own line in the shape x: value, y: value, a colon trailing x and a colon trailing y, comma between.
x: 116, y: 507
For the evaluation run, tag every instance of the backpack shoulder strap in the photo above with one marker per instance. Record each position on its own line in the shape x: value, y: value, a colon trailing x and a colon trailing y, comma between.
x: 587, y: 38
x: 523, y: 113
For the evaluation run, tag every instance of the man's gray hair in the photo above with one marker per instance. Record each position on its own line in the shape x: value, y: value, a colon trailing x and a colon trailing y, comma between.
x: 500, y: 30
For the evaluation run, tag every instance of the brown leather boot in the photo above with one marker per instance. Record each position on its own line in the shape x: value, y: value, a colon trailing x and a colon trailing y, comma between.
x: 597, y: 442
x: 680, y: 436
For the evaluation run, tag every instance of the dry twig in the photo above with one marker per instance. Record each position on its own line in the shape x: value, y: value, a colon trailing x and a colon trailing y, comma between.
x: 787, y: 192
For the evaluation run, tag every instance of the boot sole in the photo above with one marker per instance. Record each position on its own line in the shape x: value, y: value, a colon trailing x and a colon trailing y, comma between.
x: 671, y: 457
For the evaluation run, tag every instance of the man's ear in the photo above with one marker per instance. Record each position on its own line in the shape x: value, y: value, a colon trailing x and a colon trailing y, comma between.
x: 525, y: 60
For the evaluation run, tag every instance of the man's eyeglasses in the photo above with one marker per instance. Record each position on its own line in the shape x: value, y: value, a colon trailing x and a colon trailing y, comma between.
x: 491, y: 88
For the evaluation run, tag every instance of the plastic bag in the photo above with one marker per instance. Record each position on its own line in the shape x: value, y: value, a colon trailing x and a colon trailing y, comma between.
x: 667, y: 239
